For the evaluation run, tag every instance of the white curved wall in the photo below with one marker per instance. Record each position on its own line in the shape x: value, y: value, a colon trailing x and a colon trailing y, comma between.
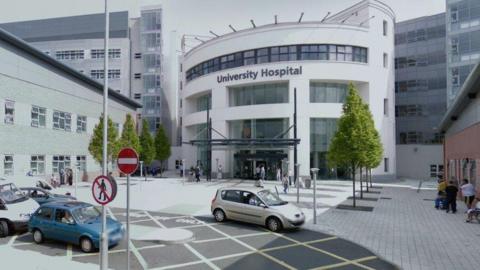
x: 374, y: 81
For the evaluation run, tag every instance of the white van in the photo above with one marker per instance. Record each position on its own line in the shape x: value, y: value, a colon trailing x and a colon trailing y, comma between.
x: 15, y: 208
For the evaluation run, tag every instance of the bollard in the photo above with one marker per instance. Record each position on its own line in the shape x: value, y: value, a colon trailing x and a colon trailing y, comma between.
x: 314, y: 172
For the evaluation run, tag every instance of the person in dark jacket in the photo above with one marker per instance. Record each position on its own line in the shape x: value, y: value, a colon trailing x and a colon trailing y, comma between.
x: 451, y: 192
x: 197, y: 173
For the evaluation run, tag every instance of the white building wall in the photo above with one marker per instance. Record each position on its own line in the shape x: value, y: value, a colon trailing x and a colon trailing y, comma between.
x: 374, y: 81
x: 414, y: 160
x: 28, y: 81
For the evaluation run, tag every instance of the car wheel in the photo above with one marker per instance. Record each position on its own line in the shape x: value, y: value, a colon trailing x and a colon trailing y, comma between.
x: 3, y: 229
x: 86, y: 245
x: 274, y: 224
x: 37, y: 236
x: 219, y: 215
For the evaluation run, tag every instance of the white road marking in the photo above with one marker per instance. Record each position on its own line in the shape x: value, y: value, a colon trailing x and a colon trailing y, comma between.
x: 10, y: 242
x: 69, y: 252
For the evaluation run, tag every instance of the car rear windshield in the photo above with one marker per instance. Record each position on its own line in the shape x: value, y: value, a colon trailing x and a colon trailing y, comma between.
x: 9, y: 193
x: 86, y: 214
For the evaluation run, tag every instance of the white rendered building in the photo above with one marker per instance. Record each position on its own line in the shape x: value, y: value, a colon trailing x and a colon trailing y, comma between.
x: 248, y: 77
x: 48, y: 112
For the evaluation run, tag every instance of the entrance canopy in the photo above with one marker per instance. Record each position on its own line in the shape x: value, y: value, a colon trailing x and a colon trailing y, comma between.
x: 267, y: 143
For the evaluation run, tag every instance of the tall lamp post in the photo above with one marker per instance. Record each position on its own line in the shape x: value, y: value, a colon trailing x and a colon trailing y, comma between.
x: 297, y: 171
x: 314, y: 172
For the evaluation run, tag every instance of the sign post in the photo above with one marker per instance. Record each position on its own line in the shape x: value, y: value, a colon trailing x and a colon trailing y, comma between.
x: 128, y: 163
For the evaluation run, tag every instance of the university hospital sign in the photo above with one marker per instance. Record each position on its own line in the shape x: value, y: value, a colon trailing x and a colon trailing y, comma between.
x: 263, y: 73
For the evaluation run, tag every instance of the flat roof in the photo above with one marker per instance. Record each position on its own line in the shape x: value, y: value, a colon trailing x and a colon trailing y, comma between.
x: 90, y: 26
x: 464, y: 97
x: 61, y: 67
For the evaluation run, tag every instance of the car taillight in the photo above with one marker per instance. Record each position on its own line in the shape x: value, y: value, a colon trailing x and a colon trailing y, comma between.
x: 214, y: 198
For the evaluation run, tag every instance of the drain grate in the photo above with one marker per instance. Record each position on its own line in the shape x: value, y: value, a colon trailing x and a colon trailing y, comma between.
x: 385, y: 198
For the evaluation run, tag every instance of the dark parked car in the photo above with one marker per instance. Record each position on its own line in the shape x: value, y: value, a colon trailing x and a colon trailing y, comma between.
x: 76, y: 222
x: 42, y: 196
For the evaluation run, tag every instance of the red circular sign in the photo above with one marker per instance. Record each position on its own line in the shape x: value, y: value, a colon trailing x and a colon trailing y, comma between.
x: 104, y: 189
x: 127, y: 161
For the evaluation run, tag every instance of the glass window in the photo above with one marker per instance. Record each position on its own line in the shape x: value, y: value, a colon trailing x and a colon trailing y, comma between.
x: 45, y: 213
x: 233, y: 196
x: 385, y: 28
x: 322, y: 131
x: 151, y: 20
x: 37, y: 165
x: 258, y: 94
x: 257, y: 128
x: 386, y: 165
x: 204, y: 102
x: 9, y: 111
x: 327, y: 92
x: 62, y: 120
x: 100, y: 53
x: 81, y: 123
x: 385, y: 60
x: 262, y: 56
x: 60, y: 163
x: 8, y: 165
x: 82, y: 163
x: 38, y: 116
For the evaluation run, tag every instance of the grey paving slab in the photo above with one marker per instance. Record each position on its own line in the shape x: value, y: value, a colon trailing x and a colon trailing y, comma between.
x: 265, y: 241
x: 305, y: 235
x: 250, y: 262
x: 301, y: 257
x: 348, y: 267
x: 167, y: 255
x: 379, y: 264
x: 219, y: 248
x: 198, y: 266
x: 4, y: 240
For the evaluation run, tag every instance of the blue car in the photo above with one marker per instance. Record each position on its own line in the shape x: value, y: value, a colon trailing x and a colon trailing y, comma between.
x: 75, y: 222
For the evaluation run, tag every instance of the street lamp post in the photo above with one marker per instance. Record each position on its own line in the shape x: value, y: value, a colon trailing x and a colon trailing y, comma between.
x: 314, y: 172
x: 297, y: 170
x: 141, y: 168
x: 218, y: 175
x: 77, y: 172
x: 183, y: 170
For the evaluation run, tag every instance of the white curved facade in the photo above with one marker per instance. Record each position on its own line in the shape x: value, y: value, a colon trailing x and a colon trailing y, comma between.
x: 362, y: 27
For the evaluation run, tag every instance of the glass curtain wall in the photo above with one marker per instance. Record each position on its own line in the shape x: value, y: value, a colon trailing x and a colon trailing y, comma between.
x: 203, y: 103
x: 258, y: 94
x: 257, y: 128
x: 322, y: 131
x: 327, y: 92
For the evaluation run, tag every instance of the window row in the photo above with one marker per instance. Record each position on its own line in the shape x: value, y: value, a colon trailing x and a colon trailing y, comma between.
x: 80, y: 54
x: 408, y: 110
x: 37, y: 164
x: 420, y: 35
x: 419, y: 137
x: 420, y: 85
x: 464, y: 11
x: 327, y: 92
x: 277, y: 54
x: 420, y: 60
x: 38, y: 115
x: 100, y: 73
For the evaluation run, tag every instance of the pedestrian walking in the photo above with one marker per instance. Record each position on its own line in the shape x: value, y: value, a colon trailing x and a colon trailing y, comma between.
x: 451, y: 192
x: 468, y: 193
x: 62, y: 177
x: 197, y: 173
x: 290, y: 177
x: 279, y: 175
x: 257, y: 172
x: 262, y: 172
x: 285, y: 183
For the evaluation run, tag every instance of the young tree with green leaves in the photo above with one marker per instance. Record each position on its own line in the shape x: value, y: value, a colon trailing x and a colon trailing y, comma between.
x: 147, y: 145
x: 129, y: 137
x: 162, y: 146
x: 96, y: 141
x: 347, y: 147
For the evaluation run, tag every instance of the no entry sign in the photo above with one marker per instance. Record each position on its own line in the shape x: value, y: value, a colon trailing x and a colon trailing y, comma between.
x: 104, y: 190
x: 127, y: 161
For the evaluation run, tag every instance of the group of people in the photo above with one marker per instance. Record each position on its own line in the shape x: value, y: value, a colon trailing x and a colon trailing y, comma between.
x: 65, y: 177
x: 447, y: 197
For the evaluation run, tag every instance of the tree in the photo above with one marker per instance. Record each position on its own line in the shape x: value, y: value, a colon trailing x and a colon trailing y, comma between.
x: 347, y: 148
x: 162, y: 146
x: 374, y: 146
x: 147, y: 146
x: 129, y: 136
x: 96, y: 141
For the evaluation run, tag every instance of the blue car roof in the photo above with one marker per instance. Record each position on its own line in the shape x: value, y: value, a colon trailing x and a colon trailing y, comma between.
x: 67, y: 205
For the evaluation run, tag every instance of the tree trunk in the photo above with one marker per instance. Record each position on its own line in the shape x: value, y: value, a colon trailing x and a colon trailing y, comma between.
x: 353, y: 178
x: 366, y: 178
x: 361, y: 184
x: 371, y: 178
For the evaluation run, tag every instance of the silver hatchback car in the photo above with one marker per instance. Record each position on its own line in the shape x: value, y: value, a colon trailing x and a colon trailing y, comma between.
x: 257, y: 206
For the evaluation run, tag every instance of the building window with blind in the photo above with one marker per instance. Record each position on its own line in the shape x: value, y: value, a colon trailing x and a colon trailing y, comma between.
x: 100, y: 53
x: 9, y: 112
x: 81, y: 124
x: 60, y: 163
x: 62, y: 120
x: 39, y: 115
x: 8, y: 165
x: 70, y: 55
x: 37, y: 165
x: 114, y: 73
